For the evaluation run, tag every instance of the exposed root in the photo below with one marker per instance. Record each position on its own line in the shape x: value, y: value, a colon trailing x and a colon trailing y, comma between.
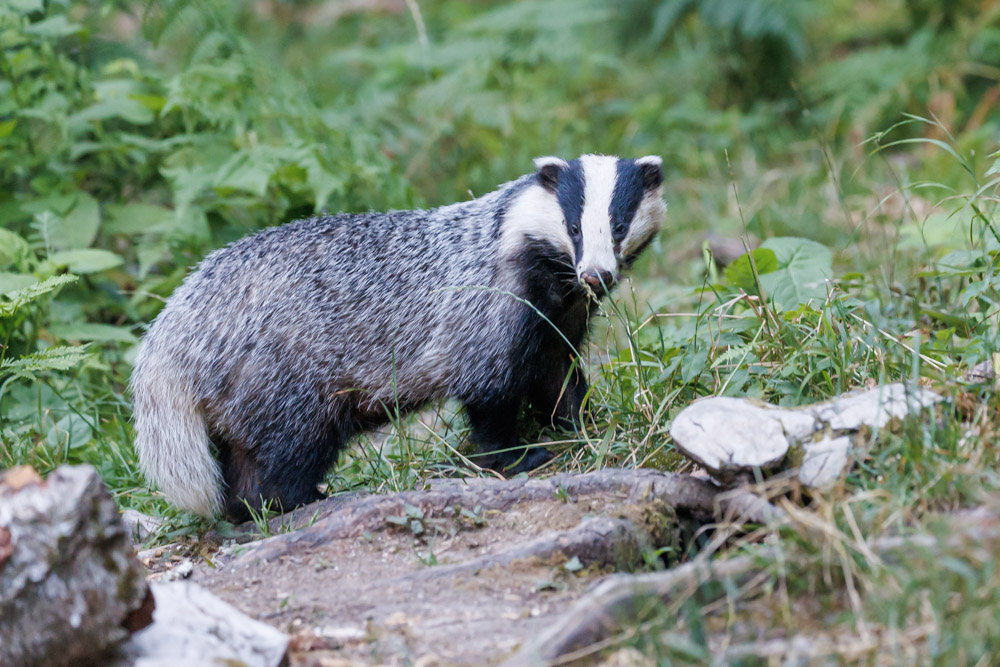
x: 338, y: 518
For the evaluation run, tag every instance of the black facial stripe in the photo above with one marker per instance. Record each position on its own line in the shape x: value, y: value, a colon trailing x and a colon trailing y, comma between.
x: 626, y: 198
x: 570, y: 195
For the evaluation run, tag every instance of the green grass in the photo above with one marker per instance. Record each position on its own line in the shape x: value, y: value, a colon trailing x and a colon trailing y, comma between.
x: 136, y: 138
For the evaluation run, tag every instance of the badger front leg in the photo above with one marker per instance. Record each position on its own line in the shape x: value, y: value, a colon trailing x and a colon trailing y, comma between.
x: 557, y: 398
x: 494, y: 432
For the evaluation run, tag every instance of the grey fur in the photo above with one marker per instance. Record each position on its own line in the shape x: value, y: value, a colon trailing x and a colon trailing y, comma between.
x: 282, y: 345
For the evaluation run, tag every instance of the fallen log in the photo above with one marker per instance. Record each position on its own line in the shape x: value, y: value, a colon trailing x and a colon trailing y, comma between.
x: 70, y: 585
x: 731, y: 438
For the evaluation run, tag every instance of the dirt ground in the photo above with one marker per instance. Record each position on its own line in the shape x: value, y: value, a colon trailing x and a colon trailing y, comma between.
x: 455, y: 576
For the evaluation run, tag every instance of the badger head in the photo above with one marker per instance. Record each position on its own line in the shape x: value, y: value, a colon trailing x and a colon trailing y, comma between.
x: 599, y: 211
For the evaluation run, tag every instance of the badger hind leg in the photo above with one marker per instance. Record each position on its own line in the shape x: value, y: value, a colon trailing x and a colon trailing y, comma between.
x: 282, y: 468
x: 494, y: 431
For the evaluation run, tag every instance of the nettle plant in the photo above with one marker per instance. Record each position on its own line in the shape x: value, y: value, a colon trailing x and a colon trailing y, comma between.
x: 125, y: 172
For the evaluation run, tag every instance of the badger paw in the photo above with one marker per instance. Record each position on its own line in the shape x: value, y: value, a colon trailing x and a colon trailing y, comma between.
x: 529, y: 459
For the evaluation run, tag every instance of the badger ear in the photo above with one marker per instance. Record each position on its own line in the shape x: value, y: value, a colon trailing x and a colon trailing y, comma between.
x: 549, y: 169
x: 651, y: 170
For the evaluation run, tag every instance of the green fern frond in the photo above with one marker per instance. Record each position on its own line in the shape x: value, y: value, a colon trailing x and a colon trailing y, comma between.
x: 58, y: 358
x: 12, y: 301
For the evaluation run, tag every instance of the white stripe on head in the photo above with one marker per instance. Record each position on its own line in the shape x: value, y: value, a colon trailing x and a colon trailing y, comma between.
x: 550, y: 161
x: 599, y: 175
x: 534, y: 214
x: 646, y: 223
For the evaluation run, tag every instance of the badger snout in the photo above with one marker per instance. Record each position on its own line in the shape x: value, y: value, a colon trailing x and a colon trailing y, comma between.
x: 599, y: 281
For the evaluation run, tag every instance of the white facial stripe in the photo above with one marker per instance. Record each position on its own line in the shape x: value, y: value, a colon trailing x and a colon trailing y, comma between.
x: 534, y: 214
x: 599, y: 175
x: 646, y: 223
x: 549, y: 160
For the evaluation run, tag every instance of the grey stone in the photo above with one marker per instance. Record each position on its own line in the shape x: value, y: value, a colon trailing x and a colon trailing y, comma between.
x: 824, y: 461
x: 192, y: 627
x: 873, y: 408
x: 731, y: 437
x: 140, y: 526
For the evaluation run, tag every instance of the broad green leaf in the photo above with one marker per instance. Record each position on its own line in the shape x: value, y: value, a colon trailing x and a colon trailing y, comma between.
x: 86, y: 260
x: 58, y: 204
x: 804, y: 269
x: 192, y: 223
x: 322, y: 181
x: 80, y: 224
x: 71, y: 431
x: 13, y: 250
x: 56, y: 26
x: 740, y: 272
x: 188, y: 183
x: 7, y: 127
x: 247, y: 171
x: 963, y: 261
x: 125, y: 108
x: 937, y: 230
x: 74, y: 224
x: 149, y: 255
x: 24, y: 6
x: 10, y: 282
x: 139, y: 219
x: 88, y: 331
x: 693, y: 364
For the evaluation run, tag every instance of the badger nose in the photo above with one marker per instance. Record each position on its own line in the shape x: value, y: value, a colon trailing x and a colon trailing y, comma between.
x: 599, y: 281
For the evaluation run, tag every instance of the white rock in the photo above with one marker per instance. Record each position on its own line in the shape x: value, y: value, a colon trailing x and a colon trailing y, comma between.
x: 731, y: 435
x: 874, y: 407
x: 140, y: 526
x: 824, y: 461
x: 342, y: 634
x: 192, y: 627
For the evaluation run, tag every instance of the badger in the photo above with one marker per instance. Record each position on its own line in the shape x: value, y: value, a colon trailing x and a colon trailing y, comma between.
x: 281, y: 346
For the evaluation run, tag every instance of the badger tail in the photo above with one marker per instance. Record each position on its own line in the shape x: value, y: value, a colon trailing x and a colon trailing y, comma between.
x: 172, y: 440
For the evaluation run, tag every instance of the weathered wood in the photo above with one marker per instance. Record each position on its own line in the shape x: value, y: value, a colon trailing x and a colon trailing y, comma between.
x: 732, y: 437
x: 68, y: 577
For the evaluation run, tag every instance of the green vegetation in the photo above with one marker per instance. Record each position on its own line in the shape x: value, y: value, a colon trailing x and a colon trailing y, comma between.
x: 855, y: 142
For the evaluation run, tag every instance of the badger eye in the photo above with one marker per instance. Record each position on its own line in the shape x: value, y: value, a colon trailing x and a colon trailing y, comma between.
x: 620, y: 229
x: 574, y: 229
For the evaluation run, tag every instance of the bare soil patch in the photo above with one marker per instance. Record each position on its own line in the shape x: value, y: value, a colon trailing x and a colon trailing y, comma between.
x: 463, y: 573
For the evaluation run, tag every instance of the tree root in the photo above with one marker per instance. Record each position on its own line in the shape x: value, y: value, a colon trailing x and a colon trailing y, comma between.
x: 620, y: 599
x: 338, y: 518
